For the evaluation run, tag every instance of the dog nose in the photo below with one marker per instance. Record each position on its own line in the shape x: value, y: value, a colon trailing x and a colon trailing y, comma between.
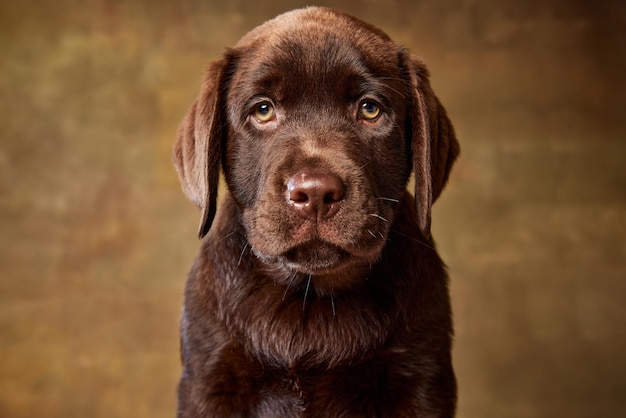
x: 315, y: 195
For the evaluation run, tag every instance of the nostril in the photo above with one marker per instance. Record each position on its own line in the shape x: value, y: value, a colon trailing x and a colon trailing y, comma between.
x: 298, y: 196
x: 315, y: 195
x: 333, y: 196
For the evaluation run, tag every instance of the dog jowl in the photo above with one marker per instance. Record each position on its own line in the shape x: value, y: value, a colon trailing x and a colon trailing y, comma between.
x: 317, y: 291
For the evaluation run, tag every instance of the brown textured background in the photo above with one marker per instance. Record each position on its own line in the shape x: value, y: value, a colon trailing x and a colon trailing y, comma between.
x: 96, y: 237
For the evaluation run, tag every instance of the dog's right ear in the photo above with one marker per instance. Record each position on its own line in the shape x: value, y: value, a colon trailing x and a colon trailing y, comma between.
x: 198, y: 147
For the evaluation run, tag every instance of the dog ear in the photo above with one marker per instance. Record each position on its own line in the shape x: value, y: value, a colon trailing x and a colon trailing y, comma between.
x: 198, y: 147
x: 434, y: 144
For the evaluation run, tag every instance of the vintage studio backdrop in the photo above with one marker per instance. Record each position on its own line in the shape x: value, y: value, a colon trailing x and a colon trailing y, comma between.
x: 96, y: 236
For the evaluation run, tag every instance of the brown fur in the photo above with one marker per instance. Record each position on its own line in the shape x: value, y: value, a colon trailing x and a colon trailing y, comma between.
x: 346, y: 315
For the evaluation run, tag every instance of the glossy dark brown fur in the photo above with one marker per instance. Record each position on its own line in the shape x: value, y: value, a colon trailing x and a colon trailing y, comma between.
x: 337, y: 315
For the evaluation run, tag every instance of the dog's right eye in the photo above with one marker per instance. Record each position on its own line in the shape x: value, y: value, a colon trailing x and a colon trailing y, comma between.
x: 264, y: 112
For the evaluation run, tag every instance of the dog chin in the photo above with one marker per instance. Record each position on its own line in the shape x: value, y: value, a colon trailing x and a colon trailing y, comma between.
x: 316, y: 257
x: 326, y: 266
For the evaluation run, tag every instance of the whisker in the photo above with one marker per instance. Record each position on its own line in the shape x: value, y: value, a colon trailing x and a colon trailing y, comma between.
x: 332, y: 302
x: 245, y: 247
x: 400, y: 93
x: 223, y: 238
x: 425, y: 245
x: 419, y: 241
x: 407, y: 82
x: 378, y: 216
x: 306, y: 292
x: 387, y: 86
x: 291, y: 280
x: 389, y: 199
x: 371, y: 233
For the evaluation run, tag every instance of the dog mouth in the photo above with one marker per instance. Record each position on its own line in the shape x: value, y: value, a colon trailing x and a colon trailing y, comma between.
x: 316, y: 257
x: 325, y: 267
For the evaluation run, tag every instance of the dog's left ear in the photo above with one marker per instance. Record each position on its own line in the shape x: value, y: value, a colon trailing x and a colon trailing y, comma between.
x: 434, y: 144
x: 198, y: 147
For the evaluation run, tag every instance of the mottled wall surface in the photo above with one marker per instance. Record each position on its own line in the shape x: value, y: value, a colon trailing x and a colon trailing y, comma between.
x: 96, y: 237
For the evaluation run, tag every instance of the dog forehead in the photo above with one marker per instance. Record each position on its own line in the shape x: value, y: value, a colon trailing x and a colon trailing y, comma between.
x: 309, y: 21
x: 313, y: 47
x: 314, y: 33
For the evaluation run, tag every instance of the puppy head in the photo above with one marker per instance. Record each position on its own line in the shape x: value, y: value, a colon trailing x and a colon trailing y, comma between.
x: 315, y: 94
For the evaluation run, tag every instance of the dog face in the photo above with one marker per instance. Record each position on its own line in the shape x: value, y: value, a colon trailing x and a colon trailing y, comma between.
x: 317, y: 120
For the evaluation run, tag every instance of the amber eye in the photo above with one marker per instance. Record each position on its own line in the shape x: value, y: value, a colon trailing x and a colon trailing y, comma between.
x: 264, y: 112
x: 369, y: 110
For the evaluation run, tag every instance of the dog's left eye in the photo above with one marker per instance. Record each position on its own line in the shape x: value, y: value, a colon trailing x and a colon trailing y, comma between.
x: 369, y: 110
x: 264, y: 112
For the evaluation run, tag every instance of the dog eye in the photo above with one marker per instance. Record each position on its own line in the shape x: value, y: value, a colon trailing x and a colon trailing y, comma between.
x: 369, y: 111
x: 264, y: 112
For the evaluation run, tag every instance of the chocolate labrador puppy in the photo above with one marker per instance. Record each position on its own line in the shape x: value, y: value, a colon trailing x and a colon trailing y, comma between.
x: 318, y: 291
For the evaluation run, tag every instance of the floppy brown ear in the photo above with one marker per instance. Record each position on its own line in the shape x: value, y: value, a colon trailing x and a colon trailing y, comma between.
x: 434, y: 144
x: 197, y: 149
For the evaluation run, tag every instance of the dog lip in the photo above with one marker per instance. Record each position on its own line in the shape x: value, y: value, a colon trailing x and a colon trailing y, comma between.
x: 316, y: 256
